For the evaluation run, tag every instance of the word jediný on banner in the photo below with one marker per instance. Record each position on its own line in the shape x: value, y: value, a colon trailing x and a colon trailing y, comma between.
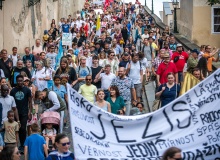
x: 191, y: 122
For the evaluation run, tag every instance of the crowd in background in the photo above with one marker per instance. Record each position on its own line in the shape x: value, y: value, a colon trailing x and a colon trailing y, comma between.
x: 114, y: 52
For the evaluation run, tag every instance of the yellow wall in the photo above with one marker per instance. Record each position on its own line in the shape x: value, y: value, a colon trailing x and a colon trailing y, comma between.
x: 202, y: 27
x: 195, y: 22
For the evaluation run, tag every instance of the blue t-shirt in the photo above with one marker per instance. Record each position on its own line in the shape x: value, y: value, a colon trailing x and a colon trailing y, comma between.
x: 66, y: 28
x: 168, y: 95
x: 60, y: 91
x: 55, y: 155
x: 76, y: 52
x: 35, y: 144
x: 129, y: 27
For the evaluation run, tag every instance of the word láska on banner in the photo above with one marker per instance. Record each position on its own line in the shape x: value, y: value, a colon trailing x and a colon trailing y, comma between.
x: 191, y: 122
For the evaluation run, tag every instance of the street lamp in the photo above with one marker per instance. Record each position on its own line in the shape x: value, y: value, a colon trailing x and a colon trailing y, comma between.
x: 175, y: 5
x: 145, y: 3
x: 152, y: 11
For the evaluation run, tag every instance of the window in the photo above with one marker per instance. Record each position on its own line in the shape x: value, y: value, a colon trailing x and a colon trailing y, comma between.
x: 32, y: 2
x: 215, y: 19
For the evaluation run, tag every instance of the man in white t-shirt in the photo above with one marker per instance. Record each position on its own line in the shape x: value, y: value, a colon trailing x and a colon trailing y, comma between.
x: 145, y: 35
x: 73, y: 22
x: 41, y: 76
x: 135, y: 72
x: 106, y: 79
x: 8, y: 103
x: 79, y: 22
x: 14, y: 56
x: 52, y: 56
x: 37, y: 49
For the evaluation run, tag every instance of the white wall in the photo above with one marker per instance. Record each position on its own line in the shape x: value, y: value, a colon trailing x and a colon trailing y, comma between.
x: 21, y: 25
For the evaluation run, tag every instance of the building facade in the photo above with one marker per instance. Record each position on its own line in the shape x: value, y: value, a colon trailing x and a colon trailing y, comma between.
x: 199, y: 22
x: 22, y: 24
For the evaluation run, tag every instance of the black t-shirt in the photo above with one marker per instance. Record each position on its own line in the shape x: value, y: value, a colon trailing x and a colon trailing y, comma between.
x: 54, y: 33
x: 16, y: 71
x: 21, y: 96
x: 123, y: 63
x: 5, y: 67
x: 160, y: 42
x: 78, y: 41
x: 95, y: 71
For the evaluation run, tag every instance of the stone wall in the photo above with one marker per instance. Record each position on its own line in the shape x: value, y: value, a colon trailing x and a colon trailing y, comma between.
x: 21, y: 25
x: 185, y: 19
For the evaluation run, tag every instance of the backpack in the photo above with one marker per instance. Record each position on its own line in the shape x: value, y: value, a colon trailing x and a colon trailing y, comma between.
x: 48, y: 103
x: 54, y: 156
x: 139, y: 64
x: 10, y: 56
x: 87, y: 68
x: 24, y: 58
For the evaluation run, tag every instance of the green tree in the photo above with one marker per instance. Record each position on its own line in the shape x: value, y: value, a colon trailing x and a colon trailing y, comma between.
x: 213, y: 2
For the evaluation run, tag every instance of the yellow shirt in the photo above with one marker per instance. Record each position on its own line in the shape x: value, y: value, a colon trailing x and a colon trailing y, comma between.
x: 88, y: 92
x: 154, y: 46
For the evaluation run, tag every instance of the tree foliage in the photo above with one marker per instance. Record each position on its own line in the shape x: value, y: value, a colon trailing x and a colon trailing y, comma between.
x: 213, y: 2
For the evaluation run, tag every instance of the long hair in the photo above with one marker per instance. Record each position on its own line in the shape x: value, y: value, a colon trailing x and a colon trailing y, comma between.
x: 170, y: 152
x: 7, y: 152
x: 116, y: 90
x: 202, y: 65
x: 67, y: 69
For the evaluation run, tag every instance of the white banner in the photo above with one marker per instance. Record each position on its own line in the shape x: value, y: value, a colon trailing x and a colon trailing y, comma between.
x: 67, y: 39
x: 191, y: 123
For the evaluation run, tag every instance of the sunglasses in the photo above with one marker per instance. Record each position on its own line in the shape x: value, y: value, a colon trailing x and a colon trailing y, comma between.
x: 177, y: 158
x: 64, y: 144
x: 88, y: 79
x: 112, y: 55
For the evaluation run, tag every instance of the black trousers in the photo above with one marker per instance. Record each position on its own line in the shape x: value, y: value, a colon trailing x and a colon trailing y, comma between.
x: 23, y: 129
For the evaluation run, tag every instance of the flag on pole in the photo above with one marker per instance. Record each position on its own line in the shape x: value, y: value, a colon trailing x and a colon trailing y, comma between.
x: 98, y: 26
x: 189, y: 82
x: 107, y: 3
x: 59, y: 55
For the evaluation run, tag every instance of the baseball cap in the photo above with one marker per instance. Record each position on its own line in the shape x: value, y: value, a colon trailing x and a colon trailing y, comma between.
x: 195, y: 50
x: 179, y: 45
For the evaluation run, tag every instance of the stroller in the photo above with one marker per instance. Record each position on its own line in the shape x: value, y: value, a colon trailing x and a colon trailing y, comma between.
x: 50, y: 118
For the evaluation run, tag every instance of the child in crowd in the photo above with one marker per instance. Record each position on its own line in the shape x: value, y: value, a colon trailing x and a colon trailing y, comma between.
x: 140, y: 106
x: 35, y: 145
x: 11, y: 129
x: 45, y: 39
x: 49, y: 133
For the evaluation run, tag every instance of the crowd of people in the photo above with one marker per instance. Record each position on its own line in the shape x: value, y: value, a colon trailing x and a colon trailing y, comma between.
x: 113, y: 54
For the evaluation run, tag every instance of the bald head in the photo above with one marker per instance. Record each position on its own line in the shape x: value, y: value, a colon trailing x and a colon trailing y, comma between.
x: 4, y: 90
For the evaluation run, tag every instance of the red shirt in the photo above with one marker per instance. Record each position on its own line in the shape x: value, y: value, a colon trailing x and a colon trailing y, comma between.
x: 163, y: 70
x: 183, y: 57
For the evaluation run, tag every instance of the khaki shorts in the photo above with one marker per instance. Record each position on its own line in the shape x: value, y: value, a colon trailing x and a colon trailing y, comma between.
x: 149, y: 65
x: 138, y: 89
